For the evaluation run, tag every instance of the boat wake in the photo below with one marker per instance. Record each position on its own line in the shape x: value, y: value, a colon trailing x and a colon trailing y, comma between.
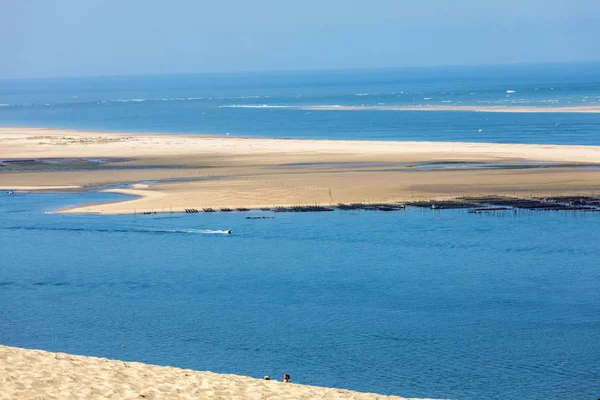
x: 202, y: 231
x: 124, y: 230
x: 190, y: 230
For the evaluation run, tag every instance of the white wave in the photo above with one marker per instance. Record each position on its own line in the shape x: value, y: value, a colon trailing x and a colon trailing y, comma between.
x: 329, y: 106
x: 129, y: 100
x: 340, y: 106
x: 249, y: 97
x: 365, y: 94
x: 428, y: 98
x: 446, y: 101
x: 254, y: 106
x: 158, y: 99
x: 511, y: 91
x: 4, y: 105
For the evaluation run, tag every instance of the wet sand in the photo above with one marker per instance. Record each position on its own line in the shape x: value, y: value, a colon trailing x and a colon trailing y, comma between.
x: 175, y: 172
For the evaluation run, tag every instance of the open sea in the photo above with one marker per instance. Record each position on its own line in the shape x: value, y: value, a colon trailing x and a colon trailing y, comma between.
x: 273, y: 104
x: 422, y: 303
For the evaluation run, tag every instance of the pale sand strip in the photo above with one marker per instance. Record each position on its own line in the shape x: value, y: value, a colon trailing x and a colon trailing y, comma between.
x: 34, y: 188
x: 37, y: 374
x: 490, y: 109
x: 333, y: 188
x: 18, y: 143
x: 239, y: 172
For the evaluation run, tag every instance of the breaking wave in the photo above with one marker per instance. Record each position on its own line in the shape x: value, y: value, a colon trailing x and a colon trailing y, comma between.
x: 256, y: 106
x: 129, y: 100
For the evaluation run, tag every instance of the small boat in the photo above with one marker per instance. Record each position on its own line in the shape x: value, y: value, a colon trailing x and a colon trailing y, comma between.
x: 228, y: 232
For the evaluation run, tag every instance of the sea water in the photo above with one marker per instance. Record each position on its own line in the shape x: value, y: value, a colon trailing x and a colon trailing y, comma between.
x: 423, y: 303
x: 277, y: 104
x: 417, y: 303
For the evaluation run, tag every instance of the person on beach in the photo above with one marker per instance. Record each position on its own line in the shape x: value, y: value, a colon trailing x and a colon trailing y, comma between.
x: 286, y: 378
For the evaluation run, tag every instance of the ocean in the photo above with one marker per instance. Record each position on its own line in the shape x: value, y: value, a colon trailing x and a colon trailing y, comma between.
x: 274, y: 104
x: 422, y: 303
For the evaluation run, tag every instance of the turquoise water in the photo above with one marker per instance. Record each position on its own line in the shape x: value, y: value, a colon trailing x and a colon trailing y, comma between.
x: 272, y: 104
x: 416, y: 303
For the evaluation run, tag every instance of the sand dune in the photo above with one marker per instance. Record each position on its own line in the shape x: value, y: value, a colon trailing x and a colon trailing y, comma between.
x: 36, y: 374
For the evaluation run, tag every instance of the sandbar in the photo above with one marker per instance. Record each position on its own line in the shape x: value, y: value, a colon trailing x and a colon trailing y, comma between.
x: 473, y: 108
x: 171, y: 173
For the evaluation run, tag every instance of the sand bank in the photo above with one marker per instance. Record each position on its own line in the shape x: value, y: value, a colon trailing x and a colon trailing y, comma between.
x: 36, y: 374
x: 175, y: 172
x: 37, y: 188
x: 490, y: 109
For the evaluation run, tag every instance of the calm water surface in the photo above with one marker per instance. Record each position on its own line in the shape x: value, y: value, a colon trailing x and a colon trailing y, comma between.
x: 415, y: 303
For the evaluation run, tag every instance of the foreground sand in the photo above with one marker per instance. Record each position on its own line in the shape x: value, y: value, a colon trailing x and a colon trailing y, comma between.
x: 175, y: 172
x: 36, y: 374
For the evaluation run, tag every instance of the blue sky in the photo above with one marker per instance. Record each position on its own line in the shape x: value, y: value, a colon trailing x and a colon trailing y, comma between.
x: 41, y: 38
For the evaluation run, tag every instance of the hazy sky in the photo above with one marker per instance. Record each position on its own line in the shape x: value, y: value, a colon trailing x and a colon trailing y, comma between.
x: 41, y: 38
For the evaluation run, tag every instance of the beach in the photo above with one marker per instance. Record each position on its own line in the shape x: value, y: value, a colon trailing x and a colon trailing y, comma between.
x: 171, y: 173
x: 37, y: 374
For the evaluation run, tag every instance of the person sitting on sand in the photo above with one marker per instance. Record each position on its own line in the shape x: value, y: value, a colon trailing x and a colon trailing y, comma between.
x: 286, y: 378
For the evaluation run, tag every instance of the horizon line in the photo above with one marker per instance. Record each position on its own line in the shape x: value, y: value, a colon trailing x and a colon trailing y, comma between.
x: 557, y: 63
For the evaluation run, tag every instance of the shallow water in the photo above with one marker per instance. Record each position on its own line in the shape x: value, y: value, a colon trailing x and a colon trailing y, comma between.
x: 416, y: 303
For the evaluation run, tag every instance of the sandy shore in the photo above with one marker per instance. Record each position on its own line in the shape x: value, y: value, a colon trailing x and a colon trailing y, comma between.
x: 491, y: 109
x: 175, y: 172
x: 36, y: 374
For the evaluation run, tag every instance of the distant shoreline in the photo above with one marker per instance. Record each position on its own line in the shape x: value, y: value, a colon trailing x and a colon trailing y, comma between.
x: 482, y: 109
